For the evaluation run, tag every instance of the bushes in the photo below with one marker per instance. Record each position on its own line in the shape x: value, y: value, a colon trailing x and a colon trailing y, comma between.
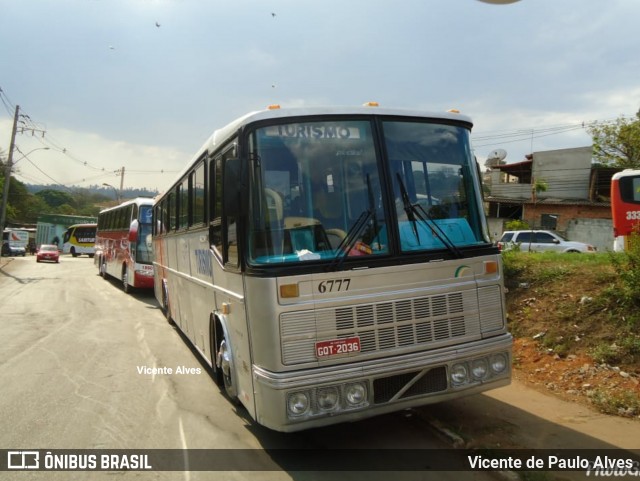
x: 593, y: 298
x: 627, y: 267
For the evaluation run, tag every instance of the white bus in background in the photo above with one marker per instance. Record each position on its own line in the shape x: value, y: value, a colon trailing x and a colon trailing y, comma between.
x: 80, y: 239
x: 15, y: 242
x: 332, y: 264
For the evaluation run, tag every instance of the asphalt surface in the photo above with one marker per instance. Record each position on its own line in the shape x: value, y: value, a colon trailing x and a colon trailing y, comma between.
x: 73, y: 360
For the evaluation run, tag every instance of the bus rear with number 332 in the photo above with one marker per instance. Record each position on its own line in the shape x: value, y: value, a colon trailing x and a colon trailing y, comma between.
x: 625, y: 207
x: 335, y: 264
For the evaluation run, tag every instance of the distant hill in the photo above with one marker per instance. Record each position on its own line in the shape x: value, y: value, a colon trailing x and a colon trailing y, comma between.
x: 108, y: 192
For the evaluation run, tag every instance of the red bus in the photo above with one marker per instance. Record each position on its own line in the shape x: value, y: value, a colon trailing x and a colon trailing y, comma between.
x: 625, y: 206
x: 123, y: 243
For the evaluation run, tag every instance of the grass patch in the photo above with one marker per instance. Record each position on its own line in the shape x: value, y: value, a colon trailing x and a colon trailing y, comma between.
x: 623, y: 403
x: 581, y: 302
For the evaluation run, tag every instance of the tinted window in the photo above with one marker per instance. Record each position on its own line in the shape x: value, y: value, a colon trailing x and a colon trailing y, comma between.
x: 507, y: 237
x: 544, y: 238
x: 198, y: 195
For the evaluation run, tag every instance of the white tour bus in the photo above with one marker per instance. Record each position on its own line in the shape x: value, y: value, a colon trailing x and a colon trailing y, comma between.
x: 332, y: 264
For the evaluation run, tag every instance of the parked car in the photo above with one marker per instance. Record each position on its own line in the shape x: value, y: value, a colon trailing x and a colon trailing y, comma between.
x: 541, y: 241
x: 48, y: 252
x: 13, y: 250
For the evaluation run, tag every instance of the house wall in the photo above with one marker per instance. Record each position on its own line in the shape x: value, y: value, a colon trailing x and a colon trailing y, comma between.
x: 508, y: 189
x: 585, y: 223
x: 597, y: 232
x: 496, y: 227
x: 567, y: 172
x: 533, y: 214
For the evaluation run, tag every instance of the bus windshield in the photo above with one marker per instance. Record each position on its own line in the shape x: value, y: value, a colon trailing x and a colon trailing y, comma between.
x: 144, y: 252
x: 317, y: 190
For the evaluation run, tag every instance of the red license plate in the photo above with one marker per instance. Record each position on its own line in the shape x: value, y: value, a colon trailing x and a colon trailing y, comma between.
x: 336, y: 347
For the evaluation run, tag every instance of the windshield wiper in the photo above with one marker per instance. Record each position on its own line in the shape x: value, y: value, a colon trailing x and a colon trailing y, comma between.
x: 350, y: 240
x: 356, y: 229
x: 372, y: 209
x: 416, y: 211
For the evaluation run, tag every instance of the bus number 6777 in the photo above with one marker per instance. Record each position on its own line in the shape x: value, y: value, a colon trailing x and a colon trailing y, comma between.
x: 334, y: 285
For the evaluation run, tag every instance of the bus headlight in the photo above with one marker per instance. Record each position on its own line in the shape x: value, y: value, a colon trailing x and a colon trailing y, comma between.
x: 498, y: 363
x: 327, y: 398
x: 479, y: 368
x: 459, y: 374
x: 298, y: 403
x: 355, y: 393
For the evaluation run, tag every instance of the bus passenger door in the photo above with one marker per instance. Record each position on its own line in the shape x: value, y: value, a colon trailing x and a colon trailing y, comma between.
x: 232, y: 352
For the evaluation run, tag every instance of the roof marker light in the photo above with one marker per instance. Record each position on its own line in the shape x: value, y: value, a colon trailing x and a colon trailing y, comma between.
x: 273, y: 107
x: 453, y: 111
x: 371, y: 104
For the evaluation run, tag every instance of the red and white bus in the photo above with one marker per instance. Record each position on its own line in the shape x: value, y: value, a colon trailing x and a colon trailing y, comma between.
x: 625, y: 206
x: 123, y: 243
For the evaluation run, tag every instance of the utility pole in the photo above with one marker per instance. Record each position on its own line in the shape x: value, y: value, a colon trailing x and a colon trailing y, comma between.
x: 7, y: 172
x: 121, y: 179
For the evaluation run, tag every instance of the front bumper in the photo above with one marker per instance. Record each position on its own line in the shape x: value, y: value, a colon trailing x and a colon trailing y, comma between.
x: 389, y: 385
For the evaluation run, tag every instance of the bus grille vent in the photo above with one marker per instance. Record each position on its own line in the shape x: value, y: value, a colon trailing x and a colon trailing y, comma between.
x: 386, y: 326
x: 407, y: 385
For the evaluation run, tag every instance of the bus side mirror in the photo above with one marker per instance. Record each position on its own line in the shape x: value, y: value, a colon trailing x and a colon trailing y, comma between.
x: 231, y: 188
x: 133, y: 231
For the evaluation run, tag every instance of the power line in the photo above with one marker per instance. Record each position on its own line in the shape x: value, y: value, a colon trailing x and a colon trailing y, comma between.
x: 42, y: 171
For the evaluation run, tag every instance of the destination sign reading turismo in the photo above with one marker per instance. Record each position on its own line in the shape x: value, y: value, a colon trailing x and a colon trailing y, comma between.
x: 321, y: 131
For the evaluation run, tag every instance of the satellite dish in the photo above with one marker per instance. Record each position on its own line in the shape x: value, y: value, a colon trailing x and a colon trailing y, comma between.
x: 498, y: 154
x: 499, y: 2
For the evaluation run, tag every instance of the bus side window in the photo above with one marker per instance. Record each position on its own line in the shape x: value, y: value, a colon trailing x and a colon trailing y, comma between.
x: 230, y: 224
x: 171, y: 212
x: 198, y: 195
x: 222, y: 228
x: 215, y: 216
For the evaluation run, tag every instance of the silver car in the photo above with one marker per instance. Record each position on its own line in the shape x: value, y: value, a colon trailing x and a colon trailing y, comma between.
x: 541, y: 241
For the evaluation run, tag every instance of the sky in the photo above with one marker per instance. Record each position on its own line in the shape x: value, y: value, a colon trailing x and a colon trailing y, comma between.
x: 141, y: 84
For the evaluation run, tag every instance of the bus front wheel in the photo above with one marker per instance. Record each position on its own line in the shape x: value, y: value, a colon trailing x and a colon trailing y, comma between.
x: 126, y: 287
x: 165, y: 303
x: 223, y: 363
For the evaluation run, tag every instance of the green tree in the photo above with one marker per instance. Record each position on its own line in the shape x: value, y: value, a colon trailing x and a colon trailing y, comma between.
x: 55, y: 198
x: 18, y: 196
x: 517, y: 224
x: 617, y: 143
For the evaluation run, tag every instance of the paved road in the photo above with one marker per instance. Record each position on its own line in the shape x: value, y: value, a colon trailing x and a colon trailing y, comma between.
x: 72, y: 346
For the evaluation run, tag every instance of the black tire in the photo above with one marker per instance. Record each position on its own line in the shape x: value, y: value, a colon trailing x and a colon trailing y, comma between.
x: 165, y: 305
x: 223, y: 366
x: 216, y: 333
x: 226, y: 368
x: 125, y: 285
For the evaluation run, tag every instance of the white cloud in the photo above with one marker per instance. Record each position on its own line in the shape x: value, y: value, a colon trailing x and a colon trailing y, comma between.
x: 83, y: 159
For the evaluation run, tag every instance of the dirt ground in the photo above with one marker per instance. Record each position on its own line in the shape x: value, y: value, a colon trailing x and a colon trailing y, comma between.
x: 576, y: 377
x: 563, y: 320
x: 563, y: 394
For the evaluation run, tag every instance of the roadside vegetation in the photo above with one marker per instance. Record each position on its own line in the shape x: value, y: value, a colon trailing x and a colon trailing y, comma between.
x: 576, y: 320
